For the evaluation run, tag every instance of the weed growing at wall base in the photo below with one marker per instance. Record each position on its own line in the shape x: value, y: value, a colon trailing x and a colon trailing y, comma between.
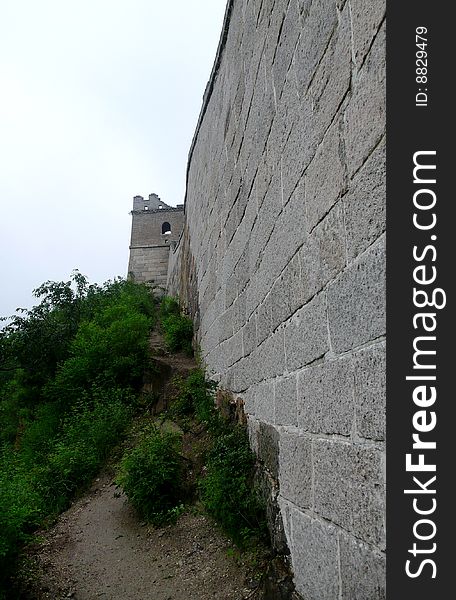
x: 226, y: 488
x: 227, y: 491
x: 177, y: 328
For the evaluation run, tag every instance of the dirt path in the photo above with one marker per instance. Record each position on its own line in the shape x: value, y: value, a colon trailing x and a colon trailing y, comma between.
x: 99, y: 549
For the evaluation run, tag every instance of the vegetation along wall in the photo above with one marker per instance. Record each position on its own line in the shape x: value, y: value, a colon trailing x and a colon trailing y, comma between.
x: 282, y: 265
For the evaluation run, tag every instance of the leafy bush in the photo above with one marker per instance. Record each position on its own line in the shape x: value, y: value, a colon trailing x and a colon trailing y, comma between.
x: 87, y: 436
x: 32, y: 489
x: 195, y: 396
x: 67, y: 370
x: 177, y: 328
x: 226, y: 490
x: 169, y: 306
x: 178, y: 333
x: 20, y: 509
x: 151, y: 476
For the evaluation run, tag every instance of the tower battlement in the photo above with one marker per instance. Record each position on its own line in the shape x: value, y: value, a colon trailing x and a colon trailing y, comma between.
x: 155, y: 227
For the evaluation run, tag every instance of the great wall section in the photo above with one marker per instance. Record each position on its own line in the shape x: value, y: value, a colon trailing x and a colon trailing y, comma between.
x: 281, y: 264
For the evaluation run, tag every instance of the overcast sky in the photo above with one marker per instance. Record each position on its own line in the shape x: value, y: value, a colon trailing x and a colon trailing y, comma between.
x: 99, y: 100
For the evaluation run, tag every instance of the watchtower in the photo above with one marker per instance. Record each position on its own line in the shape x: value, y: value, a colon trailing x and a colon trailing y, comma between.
x: 155, y: 227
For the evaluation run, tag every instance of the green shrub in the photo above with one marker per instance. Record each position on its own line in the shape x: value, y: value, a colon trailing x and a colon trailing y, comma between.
x: 151, y: 476
x: 177, y: 328
x: 227, y: 491
x: 169, y: 306
x: 178, y: 333
x: 195, y: 396
x: 21, y: 511
x: 87, y: 436
x: 67, y: 368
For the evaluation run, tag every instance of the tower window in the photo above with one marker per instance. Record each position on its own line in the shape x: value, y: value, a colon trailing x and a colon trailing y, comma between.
x: 166, y: 228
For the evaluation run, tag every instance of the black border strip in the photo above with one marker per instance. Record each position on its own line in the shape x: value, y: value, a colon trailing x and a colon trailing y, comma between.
x: 423, y: 126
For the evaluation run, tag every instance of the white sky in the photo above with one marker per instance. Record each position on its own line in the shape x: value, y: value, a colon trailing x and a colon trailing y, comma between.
x: 99, y: 100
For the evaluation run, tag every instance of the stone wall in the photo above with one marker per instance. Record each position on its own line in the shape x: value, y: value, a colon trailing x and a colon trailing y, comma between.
x: 282, y: 264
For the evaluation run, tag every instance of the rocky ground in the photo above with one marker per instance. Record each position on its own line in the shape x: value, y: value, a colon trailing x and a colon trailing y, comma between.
x: 99, y: 549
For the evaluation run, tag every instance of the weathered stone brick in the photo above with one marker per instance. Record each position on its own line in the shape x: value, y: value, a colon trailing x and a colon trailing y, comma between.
x: 323, y: 254
x: 315, y: 557
x: 234, y: 348
x: 289, y: 35
x: 362, y: 571
x: 239, y: 311
x: 325, y: 397
x: 365, y: 204
x: 370, y: 392
x: 264, y: 401
x: 317, y: 28
x: 226, y: 325
x: 349, y: 489
x: 287, y: 236
x: 356, y: 301
x: 287, y: 294
x: 365, y: 113
x: 264, y: 320
x: 295, y: 469
x: 250, y: 335
x: 268, y: 448
x: 298, y: 151
x: 332, y: 78
x: 366, y: 18
x: 285, y: 401
x: 269, y: 357
x: 325, y: 177
x: 271, y: 208
x: 306, y: 334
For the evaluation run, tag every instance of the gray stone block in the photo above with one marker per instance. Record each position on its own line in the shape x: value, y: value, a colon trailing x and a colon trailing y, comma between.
x: 348, y: 488
x: 332, y: 78
x: 264, y: 401
x: 234, y: 349
x: 356, y: 301
x: 286, y: 114
x: 314, y: 554
x: 370, y: 392
x: 285, y: 401
x: 250, y: 335
x: 325, y: 179
x: 362, y: 571
x: 365, y: 113
x: 226, y: 325
x: 306, y: 334
x: 288, y: 39
x: 268, y: 448
x: 365, y: 204
x: 325, y: 397
x: 239, y: 312
x: 267, y: 217
x: 323, y: 254
x: 299, y: 149
x: 244, y: 374
x: 287, y: 294
x: 269, y: 357
x: 366, y: 18
x: 264, y: 320
x: 295, y: 469
x: 317, y: 27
